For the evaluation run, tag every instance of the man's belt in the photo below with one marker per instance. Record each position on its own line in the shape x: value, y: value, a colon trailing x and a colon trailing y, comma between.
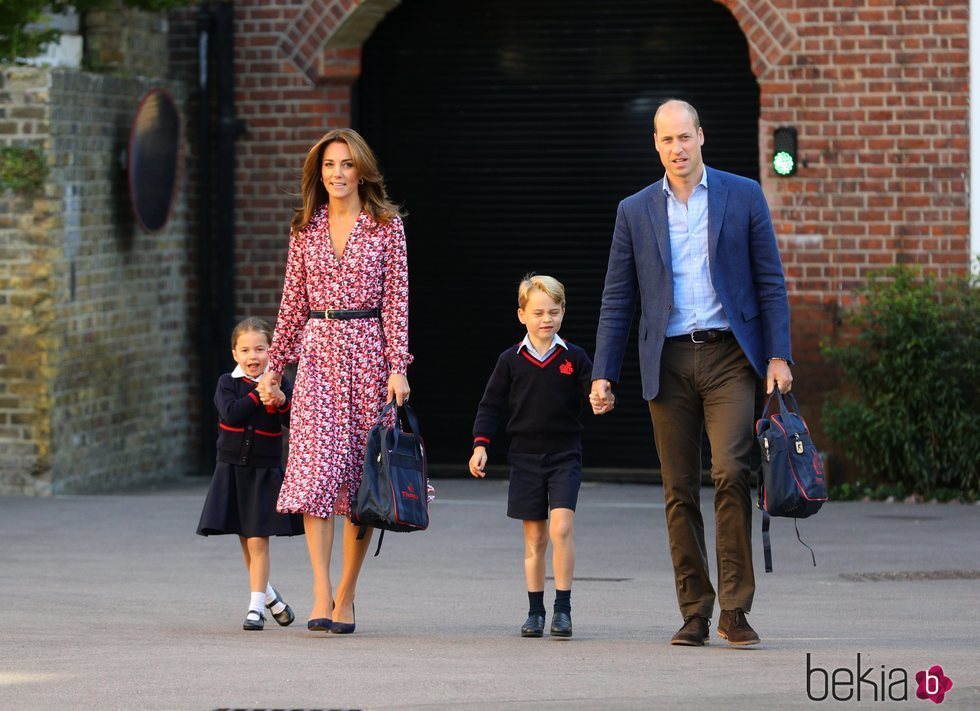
x: 709, y: 336
x: 345, y: 314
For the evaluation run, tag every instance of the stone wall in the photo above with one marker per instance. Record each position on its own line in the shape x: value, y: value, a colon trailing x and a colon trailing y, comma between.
x: 26, y: 296
x: 94, y: 311
x: 121, y: 40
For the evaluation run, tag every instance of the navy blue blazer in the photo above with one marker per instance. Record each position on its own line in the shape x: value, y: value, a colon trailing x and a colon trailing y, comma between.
x: 746, y: 272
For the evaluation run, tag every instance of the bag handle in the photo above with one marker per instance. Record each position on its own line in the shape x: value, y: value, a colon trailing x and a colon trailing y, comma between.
x: 401, y: 411
x: 409, y: 414
x: 776, y: 395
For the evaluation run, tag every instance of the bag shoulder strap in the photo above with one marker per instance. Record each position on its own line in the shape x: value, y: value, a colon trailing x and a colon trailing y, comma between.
x: 767, y: 543
x: 362, y: 531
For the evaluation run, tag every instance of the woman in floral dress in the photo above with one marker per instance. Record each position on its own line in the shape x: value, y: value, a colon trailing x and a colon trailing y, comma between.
x: 347, y: 261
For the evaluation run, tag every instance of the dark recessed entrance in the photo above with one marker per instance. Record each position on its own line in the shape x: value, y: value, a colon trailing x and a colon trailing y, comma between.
x: 510, y: 130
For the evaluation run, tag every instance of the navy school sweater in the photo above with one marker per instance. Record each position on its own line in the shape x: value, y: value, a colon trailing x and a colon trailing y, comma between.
x: 541, y: 402
x: 249, y: 435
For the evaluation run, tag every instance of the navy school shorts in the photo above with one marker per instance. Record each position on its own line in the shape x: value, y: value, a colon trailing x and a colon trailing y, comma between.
x: 541, y: 482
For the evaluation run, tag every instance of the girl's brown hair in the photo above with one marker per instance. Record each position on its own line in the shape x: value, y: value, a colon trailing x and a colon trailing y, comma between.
x: 373, y: 194
x: 251, y: 324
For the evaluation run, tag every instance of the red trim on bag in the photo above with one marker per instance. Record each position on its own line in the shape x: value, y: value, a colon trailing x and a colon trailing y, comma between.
x: 395, y: 495
x: 789, y: 459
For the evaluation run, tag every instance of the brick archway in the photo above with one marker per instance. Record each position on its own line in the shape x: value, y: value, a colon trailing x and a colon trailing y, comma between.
x: 324, y: 37
x: 770, y: 36
x: 323, y: 40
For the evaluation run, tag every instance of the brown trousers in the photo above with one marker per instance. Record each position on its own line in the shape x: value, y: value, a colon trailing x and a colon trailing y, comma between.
x: 708, y: 386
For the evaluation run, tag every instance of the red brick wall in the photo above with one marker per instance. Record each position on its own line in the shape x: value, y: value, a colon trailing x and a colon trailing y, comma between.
x: 877, y: 91
x: 879, y: 94
x: 286, y: 104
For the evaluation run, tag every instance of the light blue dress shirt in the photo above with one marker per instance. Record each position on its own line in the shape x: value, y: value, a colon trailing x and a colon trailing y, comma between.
x: 696, y: 305
x: 556, y: 341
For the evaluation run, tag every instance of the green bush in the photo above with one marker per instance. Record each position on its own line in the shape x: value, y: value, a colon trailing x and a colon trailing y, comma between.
x: 911, y: 414
x: 23, y: 169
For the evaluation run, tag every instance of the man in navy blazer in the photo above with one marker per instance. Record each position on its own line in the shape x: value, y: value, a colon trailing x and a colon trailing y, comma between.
x: 698, y: 251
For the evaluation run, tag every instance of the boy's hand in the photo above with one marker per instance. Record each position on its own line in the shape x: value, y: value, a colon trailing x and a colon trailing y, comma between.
x: 601, y: 398
x: 478, y: 461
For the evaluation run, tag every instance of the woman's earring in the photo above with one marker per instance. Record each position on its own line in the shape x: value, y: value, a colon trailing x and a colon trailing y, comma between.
x: 361, y: 181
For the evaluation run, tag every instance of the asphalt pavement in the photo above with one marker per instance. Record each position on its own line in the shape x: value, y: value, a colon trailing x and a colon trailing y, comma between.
x: 113, y: 602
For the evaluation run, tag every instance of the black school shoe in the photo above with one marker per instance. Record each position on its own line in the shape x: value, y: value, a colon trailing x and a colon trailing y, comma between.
x: 561, y: 625
x: 533, y: 626
x: 286, y: 616
x: 254, y: 621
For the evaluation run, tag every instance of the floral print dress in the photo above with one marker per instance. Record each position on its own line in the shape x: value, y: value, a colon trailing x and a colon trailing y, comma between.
x: 342, y: 376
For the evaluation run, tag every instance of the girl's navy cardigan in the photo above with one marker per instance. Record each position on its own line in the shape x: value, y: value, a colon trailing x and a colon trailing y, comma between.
x: 249, y: 435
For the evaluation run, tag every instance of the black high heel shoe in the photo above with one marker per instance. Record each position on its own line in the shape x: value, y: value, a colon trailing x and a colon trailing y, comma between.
x: 345, y: 627
x: 319, y: 624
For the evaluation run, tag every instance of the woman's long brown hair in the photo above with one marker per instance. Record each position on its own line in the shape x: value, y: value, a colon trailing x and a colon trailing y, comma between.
x: 372, y: 191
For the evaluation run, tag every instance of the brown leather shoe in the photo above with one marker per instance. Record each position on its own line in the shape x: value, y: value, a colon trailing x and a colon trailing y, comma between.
x: 733, y: 626
x: 693, y: 633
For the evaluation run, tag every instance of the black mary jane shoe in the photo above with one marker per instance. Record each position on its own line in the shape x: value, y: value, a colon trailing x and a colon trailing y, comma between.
x: 254, y: 621
x: 533, y: 626
x: 319, y: 624
x: 561, y: 625
x: 285, y: 617
x: 345, y: 627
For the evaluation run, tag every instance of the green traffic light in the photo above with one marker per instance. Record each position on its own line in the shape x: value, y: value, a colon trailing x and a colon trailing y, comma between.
x: 783, y: 163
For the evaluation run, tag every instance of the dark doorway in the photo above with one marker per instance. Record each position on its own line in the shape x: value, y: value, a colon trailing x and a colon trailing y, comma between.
x: 510, y: 130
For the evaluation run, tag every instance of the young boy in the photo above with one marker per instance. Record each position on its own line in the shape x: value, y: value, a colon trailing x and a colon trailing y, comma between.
x: 539, y: 386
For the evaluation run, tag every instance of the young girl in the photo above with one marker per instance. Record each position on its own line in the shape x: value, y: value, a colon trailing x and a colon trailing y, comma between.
x: 248, y: 474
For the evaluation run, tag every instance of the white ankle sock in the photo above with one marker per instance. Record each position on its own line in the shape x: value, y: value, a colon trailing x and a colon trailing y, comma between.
x: 270, y: 595
x: 257, y: 602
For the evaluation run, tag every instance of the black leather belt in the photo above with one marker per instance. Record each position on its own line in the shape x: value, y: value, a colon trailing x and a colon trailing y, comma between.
x: 709, y: 336
x: 345, y: 314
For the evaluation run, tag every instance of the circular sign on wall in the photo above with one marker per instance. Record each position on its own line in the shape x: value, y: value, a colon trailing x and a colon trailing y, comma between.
x: 154, y: 160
